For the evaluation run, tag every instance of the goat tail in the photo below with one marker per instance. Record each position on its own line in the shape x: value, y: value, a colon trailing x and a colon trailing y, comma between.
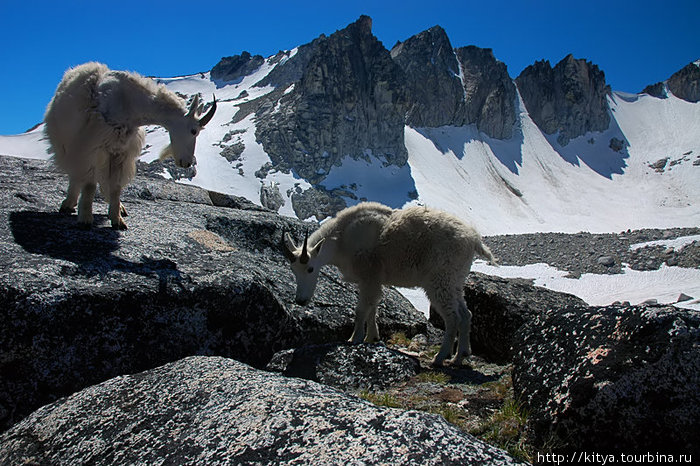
x: 485, y: 252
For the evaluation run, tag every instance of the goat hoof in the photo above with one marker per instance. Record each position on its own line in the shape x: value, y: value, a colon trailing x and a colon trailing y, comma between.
x: 85, y: 225
x: 66, y: 210
x: 459, y: 360
x: 119, y: 226
x: 436, y: 363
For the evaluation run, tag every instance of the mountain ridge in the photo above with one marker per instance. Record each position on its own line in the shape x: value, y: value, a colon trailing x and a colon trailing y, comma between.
x: 343, y: 119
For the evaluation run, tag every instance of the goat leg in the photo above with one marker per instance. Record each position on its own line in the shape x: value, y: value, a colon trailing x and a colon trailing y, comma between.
x: 85, y: 205
x: 372, y: 329
x: 115, y: 208
x: 370, y: 294
x: 464, y: 316
x: 447, y: 308
x: 71, y: 201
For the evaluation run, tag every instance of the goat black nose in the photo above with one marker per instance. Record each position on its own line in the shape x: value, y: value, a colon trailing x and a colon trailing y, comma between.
x: 302, y: 302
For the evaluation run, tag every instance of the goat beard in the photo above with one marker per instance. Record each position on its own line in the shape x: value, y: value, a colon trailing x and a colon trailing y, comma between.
x: 167, y: 152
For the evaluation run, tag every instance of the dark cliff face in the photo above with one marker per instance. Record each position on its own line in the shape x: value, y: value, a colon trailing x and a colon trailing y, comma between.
x: 352, y: 97
x: 455, y: 87
x: 685, y: 83
x: 237, y: 66
x: 346, y: 95
x: 657, y: 90
x: 489, y: 92
x: 349, y: 100
x: 569, y: 98
x: 433, y: 79
x: 293, y: 67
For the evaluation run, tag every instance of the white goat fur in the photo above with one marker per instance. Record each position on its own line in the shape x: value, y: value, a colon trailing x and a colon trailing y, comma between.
x: 372, y: 244
x: 94, y: 125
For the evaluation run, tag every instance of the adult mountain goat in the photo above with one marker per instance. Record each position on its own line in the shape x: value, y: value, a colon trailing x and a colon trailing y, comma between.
x: 94, y: 125
x: 373, y: 244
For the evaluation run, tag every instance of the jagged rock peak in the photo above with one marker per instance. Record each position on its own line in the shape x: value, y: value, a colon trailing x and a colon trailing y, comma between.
x: 570, y: 98
x: 292, y: 69
x: 657, y: 90
x: 484, y: 54
x: 433, y: 44
x: 455, y: 87
x: 432, y: 75
x: 348, y: 100
x: 685, y: 83
x: 489, y: 91
x: 363, y: 25
x: 236, y: 66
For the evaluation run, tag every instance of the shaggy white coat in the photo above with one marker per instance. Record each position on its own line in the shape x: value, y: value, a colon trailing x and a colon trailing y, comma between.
x: 93, y: 124
x: 373, y: 245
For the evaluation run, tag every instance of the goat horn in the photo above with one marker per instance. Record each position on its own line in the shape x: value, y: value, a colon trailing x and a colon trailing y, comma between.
x: 286, y: 241
x: 193, y: 106
x: 304, y: 258
x: 210, y: 114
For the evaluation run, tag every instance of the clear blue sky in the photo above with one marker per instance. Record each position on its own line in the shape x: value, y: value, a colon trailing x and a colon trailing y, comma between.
x: 634, y: 42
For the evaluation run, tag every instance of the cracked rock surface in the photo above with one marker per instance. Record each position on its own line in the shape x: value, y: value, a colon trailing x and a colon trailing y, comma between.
x: 616, y: 378
x: 215, y: 411
x: 187, y: 278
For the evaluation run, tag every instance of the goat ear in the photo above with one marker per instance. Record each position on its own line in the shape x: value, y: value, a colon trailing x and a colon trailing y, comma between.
x: 193, y: 106
x: 304, y: 256
x: 325, y: 249
x: 210, y: 114
x: 288, y: 247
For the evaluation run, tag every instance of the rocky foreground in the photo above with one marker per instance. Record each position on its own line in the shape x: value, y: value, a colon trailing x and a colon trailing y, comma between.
x: 195, y: 301
x: 213, y: 410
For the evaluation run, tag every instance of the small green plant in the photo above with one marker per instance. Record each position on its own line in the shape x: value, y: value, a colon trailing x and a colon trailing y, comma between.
x: 514, y: 410
x: 432, y: 351
x: 399, y: 339
x: 381, y: 399
x: 502, y: 388
x: 451, y: 413
x: 505, y: 429
x: 433, y: 377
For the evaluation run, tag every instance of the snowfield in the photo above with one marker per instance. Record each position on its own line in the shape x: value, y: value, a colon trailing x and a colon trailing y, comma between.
x: 526, y: 184
x: 531, y: 184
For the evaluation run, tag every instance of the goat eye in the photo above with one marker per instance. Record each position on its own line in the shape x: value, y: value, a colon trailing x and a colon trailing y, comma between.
x: 310, y: 270
x: 194, y: 132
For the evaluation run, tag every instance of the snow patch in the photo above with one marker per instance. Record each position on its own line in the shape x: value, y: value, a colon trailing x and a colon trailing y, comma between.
x: 664, y: 285
x: 676, y: 244
x: 29, y: 145
x: 371, y: 179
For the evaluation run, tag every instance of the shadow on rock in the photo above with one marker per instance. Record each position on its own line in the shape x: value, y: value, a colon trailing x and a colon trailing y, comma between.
x: 467, y: 375
x: 58, y: 236
x: 346, y: 366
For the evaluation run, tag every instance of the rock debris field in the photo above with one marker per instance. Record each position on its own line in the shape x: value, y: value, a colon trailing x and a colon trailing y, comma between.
x: 600, y: 253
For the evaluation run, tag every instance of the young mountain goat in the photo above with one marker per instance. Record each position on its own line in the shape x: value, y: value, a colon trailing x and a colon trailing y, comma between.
x: 94, y: 125
x: 373, y: 244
